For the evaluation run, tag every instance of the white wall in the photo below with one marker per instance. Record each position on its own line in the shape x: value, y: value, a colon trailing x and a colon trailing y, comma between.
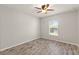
x: 17, y: 27
x: 0, y: 33
x: 67, y: 27
x: 78, y: 25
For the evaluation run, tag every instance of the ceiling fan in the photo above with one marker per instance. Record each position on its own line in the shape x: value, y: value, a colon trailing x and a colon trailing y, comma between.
x: 44, y: 8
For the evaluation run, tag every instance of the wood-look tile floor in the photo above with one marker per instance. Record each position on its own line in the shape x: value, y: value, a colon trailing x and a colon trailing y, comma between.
x: 42, y: 47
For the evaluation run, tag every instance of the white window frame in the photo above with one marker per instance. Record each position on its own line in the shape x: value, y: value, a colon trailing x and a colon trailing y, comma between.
x: 53, y: 24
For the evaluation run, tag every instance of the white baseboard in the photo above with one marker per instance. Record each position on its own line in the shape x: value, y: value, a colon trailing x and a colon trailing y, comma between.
x: 16, y: 45
x: 43, y: 38
x: 63, y: 41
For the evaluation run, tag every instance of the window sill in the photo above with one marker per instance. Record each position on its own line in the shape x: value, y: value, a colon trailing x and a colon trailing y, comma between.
x: 51, y: 34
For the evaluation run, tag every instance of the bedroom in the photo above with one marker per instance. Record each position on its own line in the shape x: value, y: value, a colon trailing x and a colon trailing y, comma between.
x: 27, y: 29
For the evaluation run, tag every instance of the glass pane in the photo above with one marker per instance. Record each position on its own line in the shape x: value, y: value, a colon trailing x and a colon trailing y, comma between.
x: 53, y: 28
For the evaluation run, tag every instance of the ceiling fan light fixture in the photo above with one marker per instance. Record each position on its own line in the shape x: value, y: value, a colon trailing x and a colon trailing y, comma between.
x: 44, y: 8
x: 43, y: 11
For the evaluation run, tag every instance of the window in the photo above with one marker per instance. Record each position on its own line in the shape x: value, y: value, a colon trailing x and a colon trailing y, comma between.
x: 53, y: 28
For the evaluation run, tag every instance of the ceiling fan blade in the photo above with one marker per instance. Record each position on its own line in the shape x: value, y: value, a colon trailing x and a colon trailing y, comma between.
x: 39, y: 11
x: 37, y: 8
x: 50, y: 9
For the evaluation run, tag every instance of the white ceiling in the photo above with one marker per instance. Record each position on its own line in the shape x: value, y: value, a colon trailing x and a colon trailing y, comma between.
x: 29, y: 8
